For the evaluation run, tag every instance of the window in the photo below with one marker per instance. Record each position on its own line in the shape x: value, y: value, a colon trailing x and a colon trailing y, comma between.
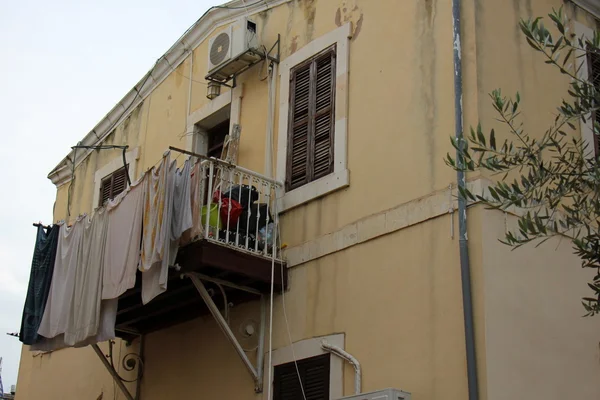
x: 112, y: 185
x: 594, y: 78
x: 314, y: 373
x: 311, y: 117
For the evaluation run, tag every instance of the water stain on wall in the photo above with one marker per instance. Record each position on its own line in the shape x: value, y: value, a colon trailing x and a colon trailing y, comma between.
x: 426, y: 13
x: 309, y: 7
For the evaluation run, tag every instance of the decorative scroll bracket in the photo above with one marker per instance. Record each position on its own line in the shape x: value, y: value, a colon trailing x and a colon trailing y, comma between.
x: 257, y: 371
x: 130, y: 362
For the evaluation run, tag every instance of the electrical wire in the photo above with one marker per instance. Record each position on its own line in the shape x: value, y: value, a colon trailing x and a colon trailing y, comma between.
x: 277, y: 239
x: 149, y: 73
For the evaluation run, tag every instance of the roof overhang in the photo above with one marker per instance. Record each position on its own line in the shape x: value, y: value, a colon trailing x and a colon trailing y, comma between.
x: 214, y: 18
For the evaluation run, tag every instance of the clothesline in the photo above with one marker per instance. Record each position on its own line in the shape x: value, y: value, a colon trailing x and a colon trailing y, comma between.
x: 40, y: 225
x: 79, y: 271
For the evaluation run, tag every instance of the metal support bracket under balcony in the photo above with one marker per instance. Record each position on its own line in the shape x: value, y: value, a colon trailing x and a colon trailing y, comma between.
x: 256, y: 371
x: 131, y: 361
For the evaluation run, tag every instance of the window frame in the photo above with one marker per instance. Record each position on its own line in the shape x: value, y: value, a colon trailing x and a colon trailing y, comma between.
x: 309, y: 348
x: 587, y: 127
x: 595, y: 114
x: 131, y: 159
x: 340, y: 178
x: 298, y: 367
x: 111, y: 179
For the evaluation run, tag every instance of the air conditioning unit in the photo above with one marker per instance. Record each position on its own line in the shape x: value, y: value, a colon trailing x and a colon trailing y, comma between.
x: 386, y: 394
x: 233, y: 50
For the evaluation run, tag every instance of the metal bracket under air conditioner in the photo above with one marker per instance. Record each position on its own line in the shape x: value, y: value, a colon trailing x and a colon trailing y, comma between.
x: 258, y: 370
x: 130, y: 362
x: 247, y: 60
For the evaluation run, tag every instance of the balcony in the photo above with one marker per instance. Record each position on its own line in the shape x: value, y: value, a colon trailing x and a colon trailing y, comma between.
x: 234, y: 253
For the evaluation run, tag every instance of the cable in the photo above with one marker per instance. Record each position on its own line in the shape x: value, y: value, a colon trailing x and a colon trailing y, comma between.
x: 287, y: 325
x: 149, y: 73
x: 276, y: 239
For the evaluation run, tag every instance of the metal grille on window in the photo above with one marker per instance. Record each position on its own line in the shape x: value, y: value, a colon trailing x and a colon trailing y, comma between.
x: 112, y: 185
x: 594, y: 76
x: 311, y: 120
x: 314, y: 373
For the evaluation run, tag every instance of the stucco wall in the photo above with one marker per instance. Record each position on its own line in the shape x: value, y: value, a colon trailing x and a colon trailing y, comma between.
x: 538, y: 344
x: 397, y: 298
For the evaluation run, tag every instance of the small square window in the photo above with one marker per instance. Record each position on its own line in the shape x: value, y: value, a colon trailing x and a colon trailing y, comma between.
x: 112, y: 185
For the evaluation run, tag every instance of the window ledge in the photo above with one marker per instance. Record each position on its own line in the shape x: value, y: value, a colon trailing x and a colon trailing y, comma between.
x: 313, y: 190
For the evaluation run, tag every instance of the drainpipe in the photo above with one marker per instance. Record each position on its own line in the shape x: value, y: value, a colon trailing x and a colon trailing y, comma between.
x: 272, y: 82
x: 465, y: 268
x: 348, y: 357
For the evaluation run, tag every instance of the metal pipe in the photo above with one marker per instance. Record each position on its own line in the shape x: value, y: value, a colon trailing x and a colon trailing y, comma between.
x: 214, y: 310
x: 270, y: 120
x: 465, y: 267
x: 222, y: 282
x: 125, y: 166
x: 226, y: 304
x: 226, y: 164
x: 348, y: 357
x: 138, y: 383
x: 260, y: 356
x: 112, y: 372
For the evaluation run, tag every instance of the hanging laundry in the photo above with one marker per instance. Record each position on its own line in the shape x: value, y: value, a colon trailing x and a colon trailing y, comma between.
x: 106, y: 327
x: 124, y: 231
x: 196, y: 193
x: 58, y: 306
x: 40, y: 278
x: 182, y: 208
x: 156, y: 235
x: 84, y: 317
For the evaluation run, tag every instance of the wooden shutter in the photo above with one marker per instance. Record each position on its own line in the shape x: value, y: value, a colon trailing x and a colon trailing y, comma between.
x: 594, y: 77
x: 112, y: 185
x: 314, y: 373
x: 105, y: 187
x: 311, y: 120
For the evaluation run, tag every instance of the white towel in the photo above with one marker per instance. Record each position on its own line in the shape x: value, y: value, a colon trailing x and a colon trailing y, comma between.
x: 122, y: 252
x: 156, y: 238
x: 84, y: 316
x: 60, y: 298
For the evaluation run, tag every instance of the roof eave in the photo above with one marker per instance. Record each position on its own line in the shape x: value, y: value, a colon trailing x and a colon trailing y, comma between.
x: 178, y: 52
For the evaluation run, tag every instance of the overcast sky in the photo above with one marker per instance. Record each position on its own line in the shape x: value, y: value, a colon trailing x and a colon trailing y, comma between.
x: 64, y: 65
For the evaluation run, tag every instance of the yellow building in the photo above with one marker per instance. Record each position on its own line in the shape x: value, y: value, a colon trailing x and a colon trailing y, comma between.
x: 344, y: 109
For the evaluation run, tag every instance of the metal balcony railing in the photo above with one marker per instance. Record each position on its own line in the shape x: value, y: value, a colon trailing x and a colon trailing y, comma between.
x: 238, y: 208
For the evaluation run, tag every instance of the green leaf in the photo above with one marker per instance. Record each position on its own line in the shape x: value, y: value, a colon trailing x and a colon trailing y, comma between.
x: 480, y: 135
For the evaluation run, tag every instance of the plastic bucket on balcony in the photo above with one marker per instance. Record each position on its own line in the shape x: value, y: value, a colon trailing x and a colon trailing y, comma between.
x: 213, y: 216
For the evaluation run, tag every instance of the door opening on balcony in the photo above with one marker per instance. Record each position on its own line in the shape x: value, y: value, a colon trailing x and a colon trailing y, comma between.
x: 216, y: 139
x: 209, y: 135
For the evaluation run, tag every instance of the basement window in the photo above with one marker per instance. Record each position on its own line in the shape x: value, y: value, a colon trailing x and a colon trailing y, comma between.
x: 112, y: 185
x: 313, y: 372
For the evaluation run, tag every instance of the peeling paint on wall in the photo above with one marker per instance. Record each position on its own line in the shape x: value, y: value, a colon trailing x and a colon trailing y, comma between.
x: 352, y: 14
x: 294, y: 45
